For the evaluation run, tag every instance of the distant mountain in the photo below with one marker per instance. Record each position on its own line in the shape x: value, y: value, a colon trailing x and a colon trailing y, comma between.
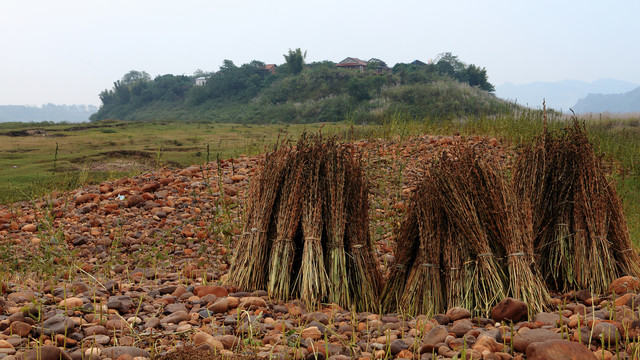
x: 560, y: 95
x: 48, y: 112
x: 620, y: 103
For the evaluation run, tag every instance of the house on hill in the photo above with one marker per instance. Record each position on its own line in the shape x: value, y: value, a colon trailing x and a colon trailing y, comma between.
x: 378, y: 66
x: 201, y: 81
x: 270, y: 68
x: 352, y: 63
x: 418, y: 63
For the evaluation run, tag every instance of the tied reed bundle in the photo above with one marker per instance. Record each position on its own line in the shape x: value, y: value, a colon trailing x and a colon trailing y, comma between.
x: 456, y: 196
x: 406, y: 248
x: 507, y: 223
x: 249, y: 266
x: 455, y: 259
x: 424, y: 293
x: 307, y: 218
x: 335, y: 223
x: 287, y: 225
x: 581, y: 233
x: 313, y: 282
x: 364, y: 275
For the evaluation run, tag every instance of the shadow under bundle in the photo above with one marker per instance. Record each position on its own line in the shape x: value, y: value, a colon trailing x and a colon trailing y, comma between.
x: 466, y: 242
x: 306, y: 232
x: 581, y: 233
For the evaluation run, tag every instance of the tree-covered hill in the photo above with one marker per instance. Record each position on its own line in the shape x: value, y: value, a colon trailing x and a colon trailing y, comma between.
x: 299, y: 92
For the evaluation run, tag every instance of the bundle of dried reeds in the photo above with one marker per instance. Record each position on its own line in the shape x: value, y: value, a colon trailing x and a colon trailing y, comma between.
x: 249, y: 270
x: 455, y: 258
x: 364, y: 275
x: 507, y: 222
x: 423, y: 293
x: 581, y: 234
x: 334, y: 213
x: 313, y: 282
x: 456, y: 192
x: 296, y: 223
x: 406, y: 247
x: 287, y: 227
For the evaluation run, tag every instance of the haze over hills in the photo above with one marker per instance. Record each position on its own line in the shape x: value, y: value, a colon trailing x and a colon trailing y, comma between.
x: 47, y: 112
x: 615, y: 103
x: 560, y: 95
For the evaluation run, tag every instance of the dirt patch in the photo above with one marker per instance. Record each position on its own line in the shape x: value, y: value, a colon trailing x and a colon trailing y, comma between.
x: 189, y: 353
x: 31, y: 132
x: 87, y: 127
x: 20, y: 151
x: 127, y: 153
x: 184, y: 149
x: 119, y: 165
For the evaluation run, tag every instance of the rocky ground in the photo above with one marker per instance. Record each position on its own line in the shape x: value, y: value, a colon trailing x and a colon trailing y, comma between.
x: 133, y: 269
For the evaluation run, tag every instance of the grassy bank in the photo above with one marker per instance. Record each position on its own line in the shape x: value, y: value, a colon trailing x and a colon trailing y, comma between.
x: 38, y: 158
x: 65, y: 156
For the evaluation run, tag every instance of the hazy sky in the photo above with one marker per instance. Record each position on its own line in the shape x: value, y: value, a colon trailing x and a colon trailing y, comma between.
x: 66, y: 52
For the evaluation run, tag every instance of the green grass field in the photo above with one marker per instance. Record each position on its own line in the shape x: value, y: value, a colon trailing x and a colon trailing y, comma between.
x: 62, y: 157
x: 66, y: 156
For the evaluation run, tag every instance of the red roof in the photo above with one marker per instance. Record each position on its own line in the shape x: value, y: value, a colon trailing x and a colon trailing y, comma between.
x: 351, y: 61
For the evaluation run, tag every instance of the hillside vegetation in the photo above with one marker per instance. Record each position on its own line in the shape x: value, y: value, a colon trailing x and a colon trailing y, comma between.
x: 304, y: 93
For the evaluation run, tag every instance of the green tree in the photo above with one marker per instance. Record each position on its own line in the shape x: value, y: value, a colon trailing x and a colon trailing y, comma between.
x: 477, y: 76
x: 449, y: 63
x: 295, y: 60
x: 134, y: 76
x: 358, y: 89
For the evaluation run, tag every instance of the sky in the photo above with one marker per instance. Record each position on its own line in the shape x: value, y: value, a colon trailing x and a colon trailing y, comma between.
x: 67, y: 51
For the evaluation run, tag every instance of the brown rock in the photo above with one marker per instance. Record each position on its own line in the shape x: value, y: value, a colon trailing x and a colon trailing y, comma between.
x: 558, y: 350
x: 47, y: 352
x: 435, y: 335
x: 116, y: 324
x: 524, y: 338
x: 6, y: 345
x: 83, y: 199
x: 509, y: 309
x: 546, y: 318
x: 457, y: 313
x: 19, y: 328
x: 95, y: 330
x: 252, y: 302
x: 624, y: 284
x: 312, y: 333
x: 233, y: 302
x: 204, y: 338
x: 229, y: 341
x: 203, y: 290
x: 606, y: 332
x: 487, y: 343
x: 220, y: 306
x: 460, y: 327
x: 237, y: 178
x: 134, y: 200
x: 151, y: 187
x: 230, y: 190
x: 71, y: 302
x: 29, y: 228
x: 176, y: 317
